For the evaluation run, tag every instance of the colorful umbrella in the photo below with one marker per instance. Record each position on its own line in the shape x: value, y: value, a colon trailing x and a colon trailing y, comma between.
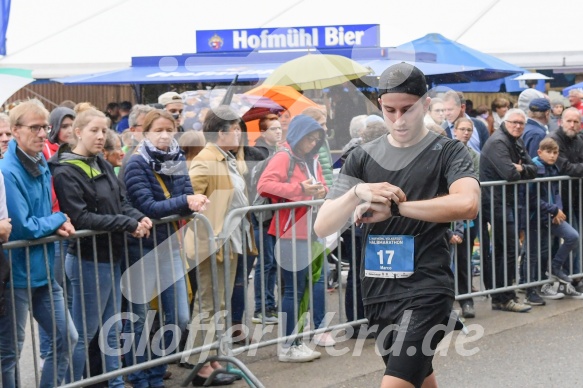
x: 12, y: 80
x: 285, y: 96
x: 316, y: 71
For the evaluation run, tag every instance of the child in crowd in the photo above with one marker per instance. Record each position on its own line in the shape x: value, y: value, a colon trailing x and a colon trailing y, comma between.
x: 545, y: 200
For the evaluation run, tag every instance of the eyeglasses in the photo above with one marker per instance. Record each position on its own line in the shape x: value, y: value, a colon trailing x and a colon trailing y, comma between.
x: 516, y: 123
x: 35, y: 128
x: 314, y: 139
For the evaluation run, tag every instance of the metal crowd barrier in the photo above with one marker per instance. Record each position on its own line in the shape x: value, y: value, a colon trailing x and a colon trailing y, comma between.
x: 28, y: 369
x: 342, y: 252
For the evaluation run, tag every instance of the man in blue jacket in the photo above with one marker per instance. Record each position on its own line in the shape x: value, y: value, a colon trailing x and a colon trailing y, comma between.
x: 28, y: 180
x: 536, y: 126
x: 455, y: 107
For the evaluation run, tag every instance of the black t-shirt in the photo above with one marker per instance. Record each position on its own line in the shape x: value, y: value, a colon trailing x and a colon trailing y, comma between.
x: 423, y: 171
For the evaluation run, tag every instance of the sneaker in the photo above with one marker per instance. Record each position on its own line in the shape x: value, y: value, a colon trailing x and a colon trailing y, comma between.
x: 579, y: 287
x: 306, y: 349
x: 296, y: 354
x: 468, y: 310
x: 570, y: 291
x: 547, y: 291
x: 520, y: 291
x: 272, y: 313
x: 324, y: 339
x: 269, y: 319
x: 534, y: 299
x: 559, y: 275
x: 512, y: 306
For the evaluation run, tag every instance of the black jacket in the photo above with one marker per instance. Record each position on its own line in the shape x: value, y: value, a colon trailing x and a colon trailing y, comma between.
x: 94, y: 203
x: 569, y: 162
x: 496, y: 164
x: 265, y: 149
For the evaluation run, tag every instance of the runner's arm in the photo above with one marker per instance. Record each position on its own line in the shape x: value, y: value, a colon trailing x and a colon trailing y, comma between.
x: 462, y: 203
x: 335, y: 212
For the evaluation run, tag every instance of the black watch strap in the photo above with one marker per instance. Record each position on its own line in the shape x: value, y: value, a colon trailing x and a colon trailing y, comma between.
x: 395, y: 210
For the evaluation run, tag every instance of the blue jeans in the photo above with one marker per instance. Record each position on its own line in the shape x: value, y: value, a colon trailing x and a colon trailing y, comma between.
x: 561, y: 257
x: 238, y: 300
x: 353, y: 281
x: 96, y: 299
x: 269, y: 273
x: 59, y: 319
x: 60, y: 277
x: 570, y: 242
x: 175, y: 314
x: 301, y: 285
x: 567, y: 263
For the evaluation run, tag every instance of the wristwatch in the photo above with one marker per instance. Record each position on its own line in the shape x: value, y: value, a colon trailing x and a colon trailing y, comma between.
x: 395, y: 210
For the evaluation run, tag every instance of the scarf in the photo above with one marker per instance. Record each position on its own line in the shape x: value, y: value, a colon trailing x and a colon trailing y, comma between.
x: 163, y: 162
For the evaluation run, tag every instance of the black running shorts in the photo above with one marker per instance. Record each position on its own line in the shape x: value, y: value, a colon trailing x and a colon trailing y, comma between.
x: 405, y: 337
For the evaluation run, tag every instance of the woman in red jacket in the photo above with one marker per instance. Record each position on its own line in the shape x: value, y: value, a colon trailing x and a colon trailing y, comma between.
x: 304, y: 138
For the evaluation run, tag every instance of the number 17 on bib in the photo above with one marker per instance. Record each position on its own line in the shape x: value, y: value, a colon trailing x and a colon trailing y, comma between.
x: 389, y: 256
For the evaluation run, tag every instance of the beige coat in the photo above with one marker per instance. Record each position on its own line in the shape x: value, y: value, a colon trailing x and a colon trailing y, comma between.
x: 209, y: 174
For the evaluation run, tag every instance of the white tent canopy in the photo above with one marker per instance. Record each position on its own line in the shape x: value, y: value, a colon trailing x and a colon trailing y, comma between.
x: 57, y: 38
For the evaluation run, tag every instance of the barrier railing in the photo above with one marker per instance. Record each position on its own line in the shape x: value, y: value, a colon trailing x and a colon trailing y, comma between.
x: 513, y: 262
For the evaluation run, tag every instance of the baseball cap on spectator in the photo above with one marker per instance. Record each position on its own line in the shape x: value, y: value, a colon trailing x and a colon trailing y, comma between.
x: 169, y: 98
x: 539, y: 105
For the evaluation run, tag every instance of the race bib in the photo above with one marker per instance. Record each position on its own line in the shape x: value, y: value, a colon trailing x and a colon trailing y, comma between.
x: 389, y: 256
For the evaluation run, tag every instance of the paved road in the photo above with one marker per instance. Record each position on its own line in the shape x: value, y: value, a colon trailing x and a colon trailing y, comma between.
x: 537, y: 349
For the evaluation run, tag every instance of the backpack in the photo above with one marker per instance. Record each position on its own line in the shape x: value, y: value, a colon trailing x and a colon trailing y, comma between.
x: 255, y: 175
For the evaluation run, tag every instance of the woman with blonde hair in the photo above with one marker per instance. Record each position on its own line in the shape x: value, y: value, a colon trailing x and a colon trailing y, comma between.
x: 89, y: 192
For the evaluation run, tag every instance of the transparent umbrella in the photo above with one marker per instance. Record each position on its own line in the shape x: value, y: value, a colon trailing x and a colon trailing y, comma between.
x: 12, y: 80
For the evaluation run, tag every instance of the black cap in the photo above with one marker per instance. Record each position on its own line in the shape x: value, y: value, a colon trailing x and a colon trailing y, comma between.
x: 403, y: 78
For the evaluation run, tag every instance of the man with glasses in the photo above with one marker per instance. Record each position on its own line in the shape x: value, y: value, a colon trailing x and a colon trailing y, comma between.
x: 28, y: 181
x: 503, y: 158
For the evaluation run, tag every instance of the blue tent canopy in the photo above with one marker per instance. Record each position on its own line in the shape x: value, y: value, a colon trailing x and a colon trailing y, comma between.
x: 256, y: 66
x: 576, y: 86
x: 4, y: 17
x: 506, y: 84
x: 450, y: 52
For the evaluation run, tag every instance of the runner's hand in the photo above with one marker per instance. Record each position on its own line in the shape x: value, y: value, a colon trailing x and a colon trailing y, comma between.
x: 380, y: 193
x: 369, y: 213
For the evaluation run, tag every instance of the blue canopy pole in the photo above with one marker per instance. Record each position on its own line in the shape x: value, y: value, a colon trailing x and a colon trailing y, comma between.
x: 5, y: 7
